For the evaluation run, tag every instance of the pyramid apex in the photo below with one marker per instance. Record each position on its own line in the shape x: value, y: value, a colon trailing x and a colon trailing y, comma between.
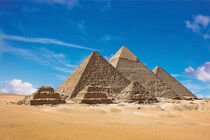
x: 124, y: 52
x: 155, y: 70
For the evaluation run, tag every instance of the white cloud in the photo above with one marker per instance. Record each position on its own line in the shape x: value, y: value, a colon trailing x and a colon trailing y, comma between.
x: 199, y: 24
x: 202, y: 73
x: 43, y: 41
x: 71, y: 66
x: 68, y: 3
x: 189, y: 70
x: 63, y: 69
x: 18, y: 87
x: 61, y: 77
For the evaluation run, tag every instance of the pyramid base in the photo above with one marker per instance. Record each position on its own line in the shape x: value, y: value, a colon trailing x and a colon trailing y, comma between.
x: 46, y: 101
x: 96, y: 101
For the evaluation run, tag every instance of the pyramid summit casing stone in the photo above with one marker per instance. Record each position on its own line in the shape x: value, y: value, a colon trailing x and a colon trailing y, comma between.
x: 128, y: 64
x: 176, y: 86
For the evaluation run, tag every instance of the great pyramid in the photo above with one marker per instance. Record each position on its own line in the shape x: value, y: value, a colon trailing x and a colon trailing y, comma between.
x: 97, y: 72
x: 128, y: 64
x: 176, y: 86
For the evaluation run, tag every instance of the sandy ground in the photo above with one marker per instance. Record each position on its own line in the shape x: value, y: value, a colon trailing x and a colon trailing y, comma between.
x: 164, y: 121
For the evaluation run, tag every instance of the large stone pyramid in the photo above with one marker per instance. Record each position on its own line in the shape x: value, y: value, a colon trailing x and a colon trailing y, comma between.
x: 128, y: 64
x: 176, y: 86
x: 97, y: 72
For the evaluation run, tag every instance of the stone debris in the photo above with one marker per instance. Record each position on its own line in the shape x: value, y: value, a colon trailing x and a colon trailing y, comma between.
x: 176, y: 86
x: 134, y: 70
x: 92, y: 95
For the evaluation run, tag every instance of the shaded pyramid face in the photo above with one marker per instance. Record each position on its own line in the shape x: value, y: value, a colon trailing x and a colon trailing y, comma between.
x: 128, y: 64
x: 176, y: 86
x: 97, y: 72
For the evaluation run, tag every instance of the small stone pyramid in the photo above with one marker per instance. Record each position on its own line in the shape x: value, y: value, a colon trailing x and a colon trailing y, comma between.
x: 128, y: 64
x: 176, y: 86
x: 92, y: 95
x: 45, y: 95
x: 135, y: 92
x: 97, y: 72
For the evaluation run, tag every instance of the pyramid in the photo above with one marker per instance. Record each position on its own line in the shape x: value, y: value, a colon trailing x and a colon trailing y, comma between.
x: 92, y: 95
x: 97, y: 72
x: 176, y: 86
x: 128, y: 64
x: 135, y: 92
x: 43, y: 95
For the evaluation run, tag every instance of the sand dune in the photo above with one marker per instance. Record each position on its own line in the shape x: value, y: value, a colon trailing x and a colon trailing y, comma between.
x: 162, y: 121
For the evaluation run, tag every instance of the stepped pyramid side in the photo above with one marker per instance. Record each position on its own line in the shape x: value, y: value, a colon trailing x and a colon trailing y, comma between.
x: 176, y: 86
x: 135, y: 92
x: 92, y: 95
x: 46, y: 95
x: 94, y: 71
x: 136, y: 71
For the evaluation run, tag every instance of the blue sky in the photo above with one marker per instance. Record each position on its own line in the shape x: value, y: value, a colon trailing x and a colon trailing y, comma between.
x: 43, y: 41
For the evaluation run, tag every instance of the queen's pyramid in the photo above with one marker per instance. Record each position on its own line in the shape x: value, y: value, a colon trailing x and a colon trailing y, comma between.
x: 128, y: 64
x: 176, y: 86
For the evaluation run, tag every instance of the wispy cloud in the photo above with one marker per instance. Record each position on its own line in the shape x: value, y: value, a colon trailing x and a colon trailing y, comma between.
x: 111, y: 37
x: 65, y: 70
x: 199, y: 25
x: 108, y: 57
x: 61, y: 77
x: 198, y: 89
x: 43, y: 41
x: 43, y: 56
x: 68, y: 3
x: 201, y: 73
x: 175, y: 75
x: 26, y: 9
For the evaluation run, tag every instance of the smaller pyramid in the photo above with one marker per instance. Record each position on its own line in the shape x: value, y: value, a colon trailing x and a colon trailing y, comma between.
x: 135, y: 92
x: 46, y: 95
x: 176, y: 86
x: 92, y: 95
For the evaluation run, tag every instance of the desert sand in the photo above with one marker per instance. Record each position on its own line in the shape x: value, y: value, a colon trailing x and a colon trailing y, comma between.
x: 171, y: 120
